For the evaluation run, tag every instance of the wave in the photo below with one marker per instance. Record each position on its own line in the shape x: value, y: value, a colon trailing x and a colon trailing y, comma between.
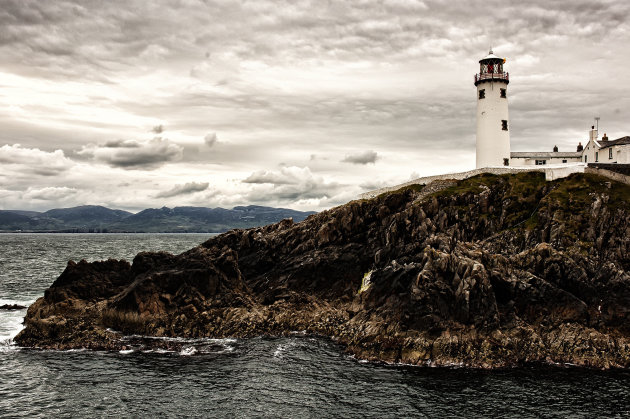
x: 11, y: 322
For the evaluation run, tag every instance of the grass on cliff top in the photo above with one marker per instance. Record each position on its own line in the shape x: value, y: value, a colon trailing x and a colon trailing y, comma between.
x: 576, y: 189
x: 525, y: 184
x: 414, y: 187
x: 578, y: 192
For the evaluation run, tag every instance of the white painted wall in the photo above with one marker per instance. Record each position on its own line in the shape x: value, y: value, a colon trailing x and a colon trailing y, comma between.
x: 590, y: 149
x: 621, y: 154
x: 520, y: 161
x: 493, y: 143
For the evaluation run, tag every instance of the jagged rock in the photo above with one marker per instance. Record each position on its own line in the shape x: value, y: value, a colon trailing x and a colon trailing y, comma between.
x: 11, y: 307
x: 488, y: 272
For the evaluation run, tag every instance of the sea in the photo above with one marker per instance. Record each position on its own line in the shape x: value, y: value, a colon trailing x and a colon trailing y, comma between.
x: 294, y: 377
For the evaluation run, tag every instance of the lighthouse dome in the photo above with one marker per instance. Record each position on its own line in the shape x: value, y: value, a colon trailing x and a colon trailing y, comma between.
x: 491, y: 57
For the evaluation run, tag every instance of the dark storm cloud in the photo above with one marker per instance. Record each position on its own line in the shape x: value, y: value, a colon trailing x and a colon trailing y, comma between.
x: 131, y: 154
x: 364, y: 157
x: 185, y: 189
x: 121, y: 144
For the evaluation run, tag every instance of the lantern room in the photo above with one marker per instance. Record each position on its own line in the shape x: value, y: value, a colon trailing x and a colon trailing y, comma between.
x: 491, y: 69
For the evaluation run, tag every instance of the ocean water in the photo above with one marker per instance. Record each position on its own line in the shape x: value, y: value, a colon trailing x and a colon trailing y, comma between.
x: 299, y: 376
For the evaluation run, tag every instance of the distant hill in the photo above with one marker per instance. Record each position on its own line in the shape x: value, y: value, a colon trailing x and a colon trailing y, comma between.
x: 93, y: 218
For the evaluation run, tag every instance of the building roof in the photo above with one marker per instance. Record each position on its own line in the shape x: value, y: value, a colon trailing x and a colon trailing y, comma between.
x: 545, y: 154
x: 619, y: 141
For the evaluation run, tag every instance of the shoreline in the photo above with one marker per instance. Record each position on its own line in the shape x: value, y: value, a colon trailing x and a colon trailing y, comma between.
x: 478, y: 273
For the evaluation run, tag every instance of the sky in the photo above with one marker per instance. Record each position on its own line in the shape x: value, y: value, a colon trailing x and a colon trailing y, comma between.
x: 295, y: 104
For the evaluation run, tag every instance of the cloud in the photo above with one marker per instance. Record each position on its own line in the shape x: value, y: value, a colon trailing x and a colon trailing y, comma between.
x: 185, y: 189
x: 132, y: 154
x: 365, y: 157
x: 290, y: 183
x: 297, y: 79
x: 286, y: 176
x: 53, y: 193
x: 34, y: 160
x: 210, y: 139
x: 121, y: 144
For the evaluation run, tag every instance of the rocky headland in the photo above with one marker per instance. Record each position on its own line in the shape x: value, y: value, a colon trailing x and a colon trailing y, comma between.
x: 492, y: 271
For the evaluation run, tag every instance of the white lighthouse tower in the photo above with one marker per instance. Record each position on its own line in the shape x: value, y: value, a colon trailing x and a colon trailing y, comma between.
x: 493, y: 135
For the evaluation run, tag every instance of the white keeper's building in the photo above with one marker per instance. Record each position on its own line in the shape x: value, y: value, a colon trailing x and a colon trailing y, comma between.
x: 493, y: 129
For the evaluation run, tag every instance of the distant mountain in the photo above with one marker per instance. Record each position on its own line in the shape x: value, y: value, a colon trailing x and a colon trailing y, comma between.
x: 93, y: 218
x: 87, y: 215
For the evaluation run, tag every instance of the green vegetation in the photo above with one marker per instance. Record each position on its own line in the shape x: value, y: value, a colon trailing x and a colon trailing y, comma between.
x: 473, y: 185
x: 577, y: 192
x: 520, y: 197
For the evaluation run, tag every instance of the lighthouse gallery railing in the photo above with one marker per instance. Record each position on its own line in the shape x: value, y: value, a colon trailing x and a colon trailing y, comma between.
x: 492, y: 76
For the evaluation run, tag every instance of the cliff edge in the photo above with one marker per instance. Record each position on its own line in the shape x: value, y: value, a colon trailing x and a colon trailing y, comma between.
x: 491, y: 271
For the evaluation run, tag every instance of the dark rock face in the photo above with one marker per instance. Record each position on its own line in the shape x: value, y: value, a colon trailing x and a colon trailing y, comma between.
x: 490, y: 272
x: 11, y: 307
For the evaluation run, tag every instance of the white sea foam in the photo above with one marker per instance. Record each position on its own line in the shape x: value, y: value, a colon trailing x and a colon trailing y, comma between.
x: 11, y: 321
x: 227, y: 348
x: 191, y: 350
x: 182, y: 340
x: 283, y: 348
x: 126, y: 351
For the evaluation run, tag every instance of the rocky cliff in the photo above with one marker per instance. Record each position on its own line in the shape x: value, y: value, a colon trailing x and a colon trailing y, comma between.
x: 488, y: 272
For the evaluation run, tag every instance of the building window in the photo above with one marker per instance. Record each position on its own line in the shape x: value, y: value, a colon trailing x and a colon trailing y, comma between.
x: 503, y: 92
x: 482, y: 94
x: 540, y: 162
x: 504, y: 125
x: 610, y: 153
x: 585, y: 159
x: 596, y: 156
x: 564, y: 161
x: 506, y: 162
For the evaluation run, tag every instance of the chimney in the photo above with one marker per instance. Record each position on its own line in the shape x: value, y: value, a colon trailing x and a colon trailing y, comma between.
x: 580, y: 147
x: 555, y: 148
x: 605, y: 137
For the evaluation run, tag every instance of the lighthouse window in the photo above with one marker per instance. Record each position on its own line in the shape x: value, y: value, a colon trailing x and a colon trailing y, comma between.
x: 596, y: 156
x: 610, y: 153
x: 503, y: 92
x: 504, y: 125
x: 506, y: 162
x: 482, y: 94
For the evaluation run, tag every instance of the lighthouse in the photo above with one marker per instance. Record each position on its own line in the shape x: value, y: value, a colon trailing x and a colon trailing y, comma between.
x: 493, y: 126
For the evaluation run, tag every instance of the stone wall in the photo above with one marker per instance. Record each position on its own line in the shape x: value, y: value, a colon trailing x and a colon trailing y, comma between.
x: 551, y: 173
x: 623, y: 169
x: 609, y: 174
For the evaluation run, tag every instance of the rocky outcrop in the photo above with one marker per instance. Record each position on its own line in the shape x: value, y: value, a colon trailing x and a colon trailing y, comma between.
x: 11, y: 307
x: 488, y: 272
